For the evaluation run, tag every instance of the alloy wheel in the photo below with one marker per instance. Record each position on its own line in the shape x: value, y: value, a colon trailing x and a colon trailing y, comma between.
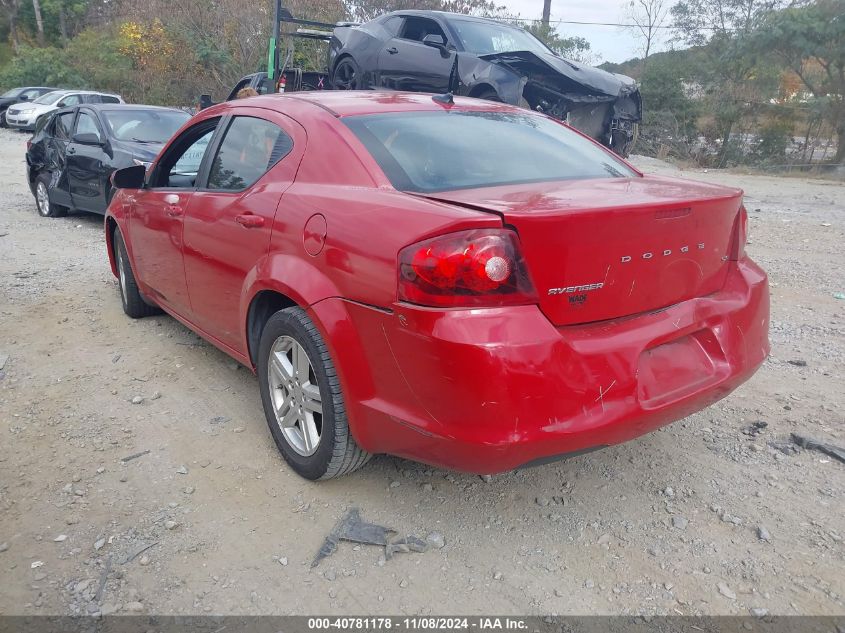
x: 42, y: 199
x: 345, y: 76
x: 121, y: 272
x: 295, y: 395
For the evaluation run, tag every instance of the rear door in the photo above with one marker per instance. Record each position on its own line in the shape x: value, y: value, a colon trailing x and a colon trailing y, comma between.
x: 230, y: 218
x: 405, y: 63
x: 88, y: 164
x: 158, y: 212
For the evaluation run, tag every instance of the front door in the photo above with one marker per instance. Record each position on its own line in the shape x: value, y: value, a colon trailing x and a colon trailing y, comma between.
x: 230, y: 219
x: 55, y: 159
x: 88, y: 165
x: 157, y: 216
x: 406, y: 63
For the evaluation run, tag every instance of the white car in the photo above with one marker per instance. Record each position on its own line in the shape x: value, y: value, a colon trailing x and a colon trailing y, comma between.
x: 23, y: 116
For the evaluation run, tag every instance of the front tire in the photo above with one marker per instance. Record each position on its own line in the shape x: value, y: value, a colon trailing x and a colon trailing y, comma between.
x: 302, y: 399
x: 46, y: 209
x: 133, y: 301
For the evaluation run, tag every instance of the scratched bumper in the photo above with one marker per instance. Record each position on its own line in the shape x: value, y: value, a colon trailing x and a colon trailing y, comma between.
x: 491, y: 390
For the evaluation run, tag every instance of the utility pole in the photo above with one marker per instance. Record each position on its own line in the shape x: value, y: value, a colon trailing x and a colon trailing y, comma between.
x: 275, y: 44
x: 547, y: 11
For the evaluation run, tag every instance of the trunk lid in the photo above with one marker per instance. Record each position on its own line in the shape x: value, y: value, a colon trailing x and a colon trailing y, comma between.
x: 608, y: 248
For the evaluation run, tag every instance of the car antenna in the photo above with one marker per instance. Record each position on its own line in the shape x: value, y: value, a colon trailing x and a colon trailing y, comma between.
x: 446, y: 98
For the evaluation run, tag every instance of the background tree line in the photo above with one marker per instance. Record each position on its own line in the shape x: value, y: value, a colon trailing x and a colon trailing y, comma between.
x: 751, y: 81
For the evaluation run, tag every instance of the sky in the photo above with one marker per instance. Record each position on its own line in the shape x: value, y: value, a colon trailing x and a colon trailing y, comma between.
x: 607, y: 43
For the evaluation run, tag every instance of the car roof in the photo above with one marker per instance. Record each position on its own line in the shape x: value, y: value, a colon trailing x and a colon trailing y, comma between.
x: 448, y: 15
x: 342, y: 103
x: 85, y: 92
x: 125, y: 106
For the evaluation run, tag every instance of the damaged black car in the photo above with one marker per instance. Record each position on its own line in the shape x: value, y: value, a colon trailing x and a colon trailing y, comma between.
x: 433, y: 51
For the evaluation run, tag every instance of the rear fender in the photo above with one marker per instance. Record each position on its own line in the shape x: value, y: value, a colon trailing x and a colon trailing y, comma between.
x: 298, y: 279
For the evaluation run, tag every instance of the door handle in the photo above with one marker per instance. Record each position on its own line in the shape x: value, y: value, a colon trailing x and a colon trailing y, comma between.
x: 250, y: 221
x: 392, y: 50
x: 71, y: 150
x: 174, y: 210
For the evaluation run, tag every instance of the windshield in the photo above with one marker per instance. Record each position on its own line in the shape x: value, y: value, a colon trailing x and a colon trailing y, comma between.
x: 442, y: 151
x: 14, y: 92
x: 483, y: 38
x: 50, y: 98
x: 144, y: 126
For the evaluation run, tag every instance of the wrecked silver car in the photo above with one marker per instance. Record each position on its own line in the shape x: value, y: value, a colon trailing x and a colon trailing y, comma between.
x: 434, y: 51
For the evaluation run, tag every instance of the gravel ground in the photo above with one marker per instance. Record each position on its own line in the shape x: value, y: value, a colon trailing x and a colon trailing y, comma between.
x: 716, y: 514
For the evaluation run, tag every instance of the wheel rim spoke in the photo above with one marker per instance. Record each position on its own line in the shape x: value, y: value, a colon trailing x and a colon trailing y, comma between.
x: 310, y: 436
x: 301, y: 364
x: 290, y: 417
x: 311, y: 397
x: 295, y: 395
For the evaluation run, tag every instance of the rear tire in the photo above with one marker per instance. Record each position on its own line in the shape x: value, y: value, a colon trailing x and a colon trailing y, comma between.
x: 46, y: 209
x: 346, y: 75
x: 133, y: 301
x: 302, y: 399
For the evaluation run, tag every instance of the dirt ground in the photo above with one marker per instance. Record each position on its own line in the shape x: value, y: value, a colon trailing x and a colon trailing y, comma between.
x: 707, y: 516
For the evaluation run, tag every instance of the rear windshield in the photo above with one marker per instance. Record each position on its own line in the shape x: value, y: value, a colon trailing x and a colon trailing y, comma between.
x: 144, y: 126
x: 427, y: 152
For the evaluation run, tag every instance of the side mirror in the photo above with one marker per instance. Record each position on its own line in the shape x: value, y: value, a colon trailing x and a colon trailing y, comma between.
x: 87, y: 138
x: 434, y: 40
x: 129, y: 177
x: 24, y: 97
x: 205, y: 102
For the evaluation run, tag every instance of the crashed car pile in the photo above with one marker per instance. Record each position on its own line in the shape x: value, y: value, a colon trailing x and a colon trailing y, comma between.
x: 433, y: 51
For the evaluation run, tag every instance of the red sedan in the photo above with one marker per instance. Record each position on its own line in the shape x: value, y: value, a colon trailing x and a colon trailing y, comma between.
x: 466, y: 284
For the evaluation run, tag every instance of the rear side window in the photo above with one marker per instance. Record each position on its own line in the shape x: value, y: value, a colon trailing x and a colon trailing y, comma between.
x: 441, y: 151
x: 63, y: 125
x: 109, y: 99
x: 250, y: 147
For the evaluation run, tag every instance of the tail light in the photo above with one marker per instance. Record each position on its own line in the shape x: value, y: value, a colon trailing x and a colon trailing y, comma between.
x: 480, y: 267
x: 740, y: 237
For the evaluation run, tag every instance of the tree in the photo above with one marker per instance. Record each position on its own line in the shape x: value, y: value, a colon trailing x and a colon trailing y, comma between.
x: 650, y: 17
x: 727, y: 72
x: 576, y: 48
x: 11, y: 8
x: 39, y: 21
x: 547, y: 11
x: 810, y: 40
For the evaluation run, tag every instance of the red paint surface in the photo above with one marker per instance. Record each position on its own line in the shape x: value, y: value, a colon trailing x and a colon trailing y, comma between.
x: 475, y: 389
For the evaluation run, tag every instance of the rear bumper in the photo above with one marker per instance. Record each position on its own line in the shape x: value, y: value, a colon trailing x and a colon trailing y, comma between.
x: 491, y: 390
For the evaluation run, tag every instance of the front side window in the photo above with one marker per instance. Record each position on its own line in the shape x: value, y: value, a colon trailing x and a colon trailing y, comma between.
x: 441, y: 151
x: 417, y: 28
x: 63, y: 126
x: 31, y: 95
x: 70, y: 100
x: 250, y: 148
x: 86, y: 124
x: 180, y: 166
